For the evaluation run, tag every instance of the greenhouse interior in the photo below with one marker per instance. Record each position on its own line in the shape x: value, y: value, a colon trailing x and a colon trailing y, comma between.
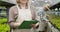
x: 53, y: 13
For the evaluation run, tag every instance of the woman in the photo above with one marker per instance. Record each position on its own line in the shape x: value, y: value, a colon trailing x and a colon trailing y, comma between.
x: 20, y: 12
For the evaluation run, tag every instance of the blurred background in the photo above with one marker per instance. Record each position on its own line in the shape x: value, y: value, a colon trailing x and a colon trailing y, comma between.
x: 54, y: 13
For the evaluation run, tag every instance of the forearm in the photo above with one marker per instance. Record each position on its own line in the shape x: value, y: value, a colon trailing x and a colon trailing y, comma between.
x: 14, y: 24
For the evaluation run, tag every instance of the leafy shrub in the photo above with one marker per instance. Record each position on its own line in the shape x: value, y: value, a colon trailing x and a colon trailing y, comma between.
x: 3, y: 20
x: 4, y: 27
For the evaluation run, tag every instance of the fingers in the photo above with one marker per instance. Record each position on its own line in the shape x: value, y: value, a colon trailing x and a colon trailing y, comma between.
x: 33, y: 25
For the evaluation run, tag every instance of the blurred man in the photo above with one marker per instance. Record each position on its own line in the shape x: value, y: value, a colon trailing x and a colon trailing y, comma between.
x: 41, y: 26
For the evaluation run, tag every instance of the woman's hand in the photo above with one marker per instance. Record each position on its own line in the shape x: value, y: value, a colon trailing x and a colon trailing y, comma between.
x: 33, y: 25
x: 16, y: 24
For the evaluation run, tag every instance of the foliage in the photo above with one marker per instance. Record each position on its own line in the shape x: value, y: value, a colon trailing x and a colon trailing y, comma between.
x: 55, y: 20
x: 3, y: 20
x: 4, y: 27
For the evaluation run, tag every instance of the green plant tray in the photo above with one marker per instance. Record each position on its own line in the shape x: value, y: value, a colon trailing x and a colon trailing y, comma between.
x: 26, y: 24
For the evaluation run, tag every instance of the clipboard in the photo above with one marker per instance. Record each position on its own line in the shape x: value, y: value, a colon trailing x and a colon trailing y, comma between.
x: 26, y: 24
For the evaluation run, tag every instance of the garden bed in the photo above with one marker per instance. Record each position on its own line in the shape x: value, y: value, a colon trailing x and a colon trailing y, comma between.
x: 55, y: 20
